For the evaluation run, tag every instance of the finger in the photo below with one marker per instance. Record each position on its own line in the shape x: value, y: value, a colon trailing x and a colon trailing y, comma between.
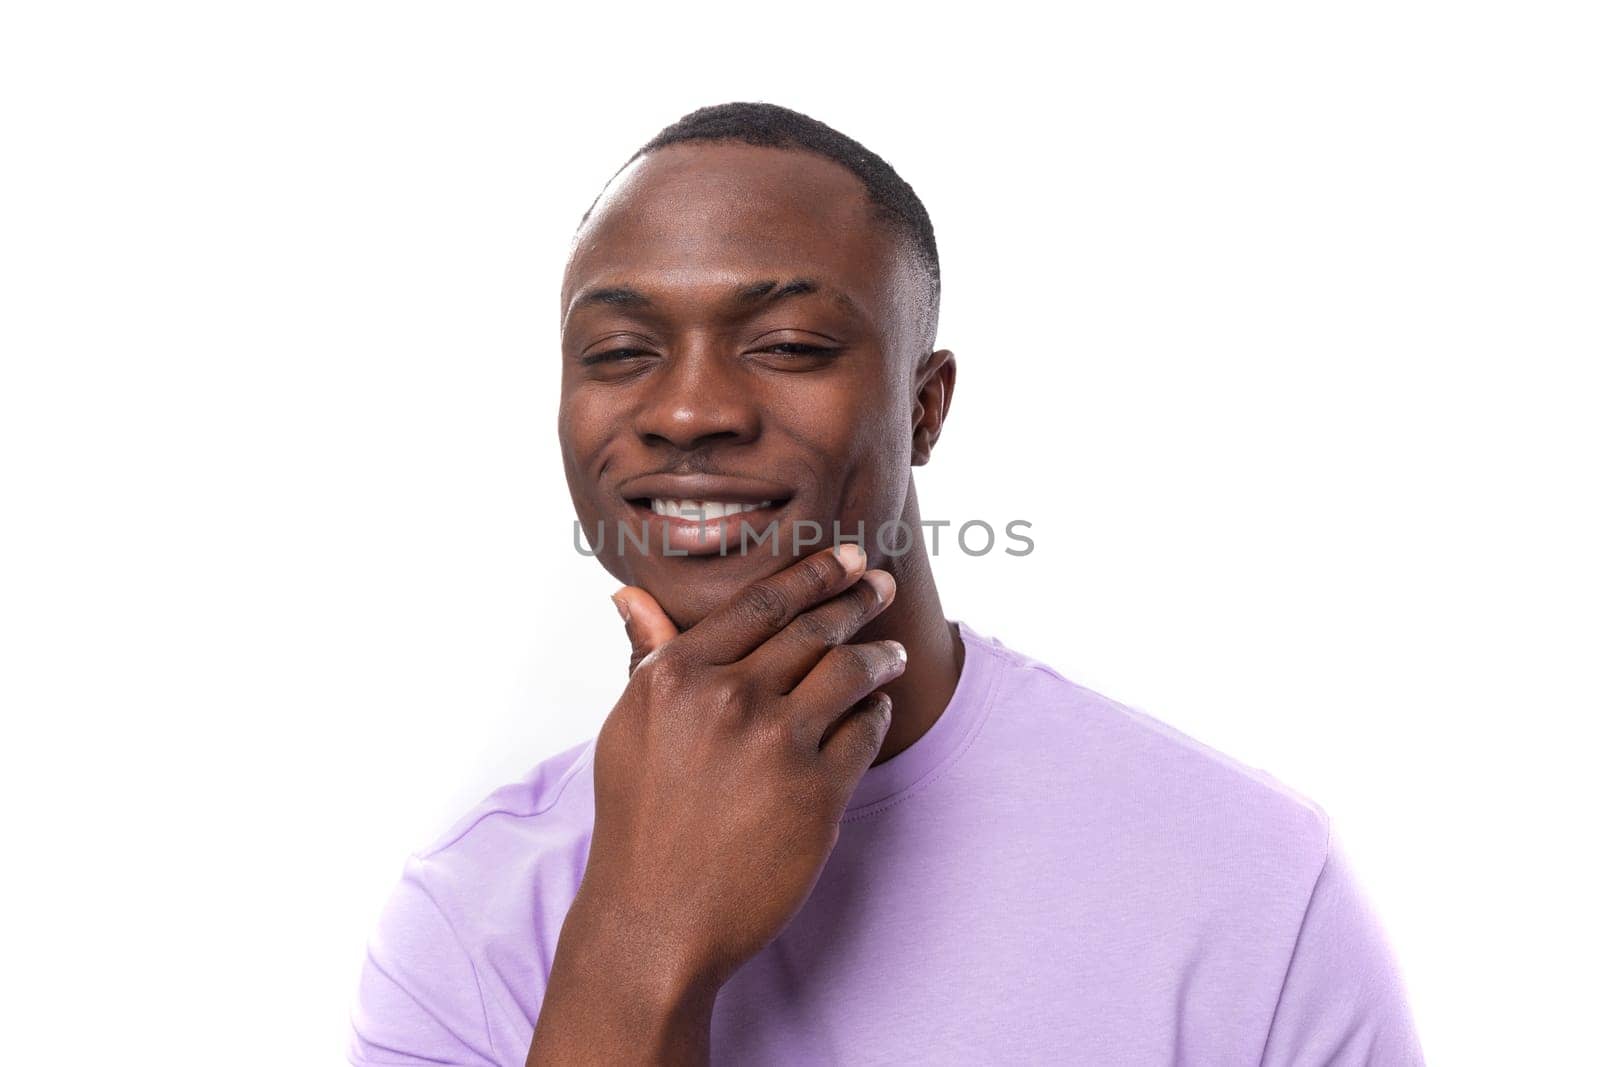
x: 854, y: 742
x: 764, y: 607
x: 647, y: 625
x: 791, y: 654
x: 844, y: 676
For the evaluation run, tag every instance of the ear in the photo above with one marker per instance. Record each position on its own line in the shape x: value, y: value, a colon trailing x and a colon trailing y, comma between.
x: 936, y: 381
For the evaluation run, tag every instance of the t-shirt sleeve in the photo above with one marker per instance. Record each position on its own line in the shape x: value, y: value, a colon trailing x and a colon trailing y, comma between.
x: 418, y: 1001
x: 1343, y: 1000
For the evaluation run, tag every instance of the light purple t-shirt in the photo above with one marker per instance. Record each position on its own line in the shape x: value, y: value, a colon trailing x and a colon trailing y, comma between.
x: 1045, y: 876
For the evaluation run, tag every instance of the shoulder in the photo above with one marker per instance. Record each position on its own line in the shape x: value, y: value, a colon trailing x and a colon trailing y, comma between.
x: 484, y: 901
x: 1129, y: 776
x: 534, y: 833
x: 515, y: 858
x: 1232, y: 855
x: 1343, y: 998
x: 551, y: 793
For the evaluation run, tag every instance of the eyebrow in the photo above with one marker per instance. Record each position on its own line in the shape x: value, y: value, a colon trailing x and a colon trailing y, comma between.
x: 764, y: 293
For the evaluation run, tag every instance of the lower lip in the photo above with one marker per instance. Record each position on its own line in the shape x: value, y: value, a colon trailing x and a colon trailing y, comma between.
x: 707, y: 537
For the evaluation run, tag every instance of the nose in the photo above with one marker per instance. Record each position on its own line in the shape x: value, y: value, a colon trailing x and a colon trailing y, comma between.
x: 697, y: 398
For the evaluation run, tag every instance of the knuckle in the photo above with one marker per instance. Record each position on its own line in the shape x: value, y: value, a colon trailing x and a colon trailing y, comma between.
x: 799, y: 735
x: 772, y: 735
x: 818, y: 574
x: 664, y: 667
x: 865, y: 739
x: 855, y: 743
x: 727, y: 695
x: 866, y: 599
x: 874, y: 721
x: 888, y: 659
x: 862, y: 665
x: 815, y: 628
x: 766, y: 604
x: 647, y: 688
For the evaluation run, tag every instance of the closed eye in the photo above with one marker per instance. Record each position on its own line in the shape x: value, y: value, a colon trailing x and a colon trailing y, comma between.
x: 795, y: 349
x: 790, y: 349
x: 613, y: 355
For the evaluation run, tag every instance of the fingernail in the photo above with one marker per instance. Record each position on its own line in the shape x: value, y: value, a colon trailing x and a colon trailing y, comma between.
x: 899, y: 650
x: 850, y: 554
x: 622, y: 607
x: 882, y: 583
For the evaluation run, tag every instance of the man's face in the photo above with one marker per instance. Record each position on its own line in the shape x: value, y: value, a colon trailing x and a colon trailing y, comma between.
x: 736, y: 329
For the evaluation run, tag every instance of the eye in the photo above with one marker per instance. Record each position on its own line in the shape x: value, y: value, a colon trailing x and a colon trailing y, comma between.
x: 613, y: 355
x: 795, y: 351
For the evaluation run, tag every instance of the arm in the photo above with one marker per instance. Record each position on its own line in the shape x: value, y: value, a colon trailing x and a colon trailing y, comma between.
x: 613, y: 1000
x: 418, y: 999
x: 1343, y: 1000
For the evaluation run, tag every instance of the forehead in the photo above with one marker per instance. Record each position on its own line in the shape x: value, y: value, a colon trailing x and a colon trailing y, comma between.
x: 702, y: 218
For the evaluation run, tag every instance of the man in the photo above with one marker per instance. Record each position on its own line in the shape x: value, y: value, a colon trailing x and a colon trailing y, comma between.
x: 823, y: 824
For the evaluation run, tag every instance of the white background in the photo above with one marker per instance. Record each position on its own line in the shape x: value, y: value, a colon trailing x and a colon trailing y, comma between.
x: 1278, y: 322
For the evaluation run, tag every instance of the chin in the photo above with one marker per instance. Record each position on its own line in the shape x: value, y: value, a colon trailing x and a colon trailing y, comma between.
x: 686, y: 606
x: 692, y: 589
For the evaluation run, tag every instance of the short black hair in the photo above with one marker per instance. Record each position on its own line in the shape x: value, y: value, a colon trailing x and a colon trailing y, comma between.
x: 773, y: 126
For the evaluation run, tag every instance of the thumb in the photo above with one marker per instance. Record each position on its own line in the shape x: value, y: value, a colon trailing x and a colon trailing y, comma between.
x: 647, y: 625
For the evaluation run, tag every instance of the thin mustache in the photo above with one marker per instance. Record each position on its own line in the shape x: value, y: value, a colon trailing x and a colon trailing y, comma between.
x: 695, y: 465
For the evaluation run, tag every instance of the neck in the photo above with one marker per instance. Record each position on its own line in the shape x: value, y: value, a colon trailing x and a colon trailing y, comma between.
x: 934, y: 653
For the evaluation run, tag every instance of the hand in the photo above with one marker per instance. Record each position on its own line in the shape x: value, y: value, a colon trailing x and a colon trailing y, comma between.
x: 722, y: 773
x: 720, y: 779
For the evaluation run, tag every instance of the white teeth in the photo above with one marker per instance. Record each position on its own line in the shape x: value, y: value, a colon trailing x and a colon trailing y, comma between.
x: 702, y: 510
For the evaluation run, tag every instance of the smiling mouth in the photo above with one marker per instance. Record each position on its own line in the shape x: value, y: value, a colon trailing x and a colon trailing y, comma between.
x: 679, y: 526
x: 703, y: 511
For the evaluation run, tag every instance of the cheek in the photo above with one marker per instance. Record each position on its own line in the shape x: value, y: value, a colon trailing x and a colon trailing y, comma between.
x: 585, y: 423
x: 862, y: 414
x: 881, y: 425
x: 869, y: 457
x: 582, y: 434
